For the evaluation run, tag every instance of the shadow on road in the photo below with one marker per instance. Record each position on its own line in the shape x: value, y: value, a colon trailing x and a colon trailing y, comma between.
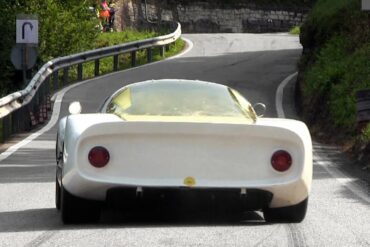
x: 49, y: 219
x: 27, y: 173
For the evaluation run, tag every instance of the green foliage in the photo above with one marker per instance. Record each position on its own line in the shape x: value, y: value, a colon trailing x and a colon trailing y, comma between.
x: 7, y: 34
x: 295, y: 30
x: 336, y: 64
x: 128, y: 35
x: 365, y: 138
x: 115, y: 38
x: 331, y: 17
x: 65, y: 27
x: 335, y: 77
x: 106, y: 65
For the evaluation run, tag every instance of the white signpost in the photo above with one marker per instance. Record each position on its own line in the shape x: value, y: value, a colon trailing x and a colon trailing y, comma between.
x: 27, y: 30
x: 24, y: 53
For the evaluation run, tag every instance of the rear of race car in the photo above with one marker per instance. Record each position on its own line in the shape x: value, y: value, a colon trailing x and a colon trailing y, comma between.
x: 266, y: 165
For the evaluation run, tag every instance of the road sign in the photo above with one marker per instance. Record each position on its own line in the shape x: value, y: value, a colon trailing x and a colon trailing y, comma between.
x: 27, y: 30
x: 366, y: 5
x: 23, y: 57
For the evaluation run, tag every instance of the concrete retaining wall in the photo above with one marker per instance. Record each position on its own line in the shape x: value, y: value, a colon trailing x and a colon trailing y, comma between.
x: 206, y: 17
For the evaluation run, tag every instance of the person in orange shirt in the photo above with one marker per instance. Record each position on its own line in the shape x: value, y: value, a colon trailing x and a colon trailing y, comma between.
x: 104, y: 13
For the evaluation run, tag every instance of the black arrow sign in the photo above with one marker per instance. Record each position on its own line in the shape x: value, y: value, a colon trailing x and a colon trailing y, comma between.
x: 24, y: 27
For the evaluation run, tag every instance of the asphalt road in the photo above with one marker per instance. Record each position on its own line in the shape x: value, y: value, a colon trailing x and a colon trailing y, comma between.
x: 338, y: 211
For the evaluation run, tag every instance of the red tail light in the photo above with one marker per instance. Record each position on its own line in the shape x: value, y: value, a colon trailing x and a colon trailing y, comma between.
x: 281, y: 161
x: 99, y: 157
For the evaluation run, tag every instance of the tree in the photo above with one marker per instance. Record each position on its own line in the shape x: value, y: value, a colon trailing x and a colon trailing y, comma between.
x: 7, y: 34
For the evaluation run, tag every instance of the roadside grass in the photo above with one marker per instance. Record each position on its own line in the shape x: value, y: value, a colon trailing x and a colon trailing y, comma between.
x: 124, y: 60
x: 128, y: 35
x: 295, y: 30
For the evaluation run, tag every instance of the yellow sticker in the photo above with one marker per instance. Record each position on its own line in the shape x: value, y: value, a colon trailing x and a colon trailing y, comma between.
x: 189, y: 181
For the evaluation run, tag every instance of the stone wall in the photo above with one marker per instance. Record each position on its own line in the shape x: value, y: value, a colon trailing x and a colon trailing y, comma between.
x: 205, y: 16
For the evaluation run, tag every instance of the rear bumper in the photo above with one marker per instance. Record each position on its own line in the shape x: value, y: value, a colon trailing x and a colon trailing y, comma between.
x: 253, y: 198
x: 131, y: 198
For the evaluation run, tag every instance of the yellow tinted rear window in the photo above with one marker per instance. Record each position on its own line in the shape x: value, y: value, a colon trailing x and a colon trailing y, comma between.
x: 183, y: 99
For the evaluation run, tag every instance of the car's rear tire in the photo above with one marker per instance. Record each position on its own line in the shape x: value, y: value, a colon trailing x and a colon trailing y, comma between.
x: 78, y: 210
x: 57, y: 194
x: 291, y: 214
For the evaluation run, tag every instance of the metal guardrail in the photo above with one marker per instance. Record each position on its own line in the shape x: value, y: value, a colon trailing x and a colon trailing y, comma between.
x: 22, y: 110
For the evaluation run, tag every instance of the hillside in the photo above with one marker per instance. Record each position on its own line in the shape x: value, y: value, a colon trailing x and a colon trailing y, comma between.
x: 334, y: 66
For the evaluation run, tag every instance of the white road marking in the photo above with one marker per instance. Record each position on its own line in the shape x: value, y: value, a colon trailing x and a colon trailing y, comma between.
x: 189, y: 48
x: 58, y: 97
x: 280, y: 95
x: 348, y: 182
x: 53, y: 120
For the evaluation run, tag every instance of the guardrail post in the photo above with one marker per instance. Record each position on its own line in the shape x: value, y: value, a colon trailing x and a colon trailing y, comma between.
x: 41, y: 94
x: 133, y: 58
x: 23, y: 114
x: 55, y: 81
x: 27, y: 118
x: 65, y: 76
x: 79, y: 72
x: 6, y: 126
x: 97, y: 67
x: 149, y: 55
x: 10, y: 121
x: 36, y: 102
x: 47, y: 85
x: 115, y: 62
x: 13, y: 126
x: 162, y: 51
x: 32, y: 109
x: 2, y: 137
x: 16, y: 122
x: 45, y: 91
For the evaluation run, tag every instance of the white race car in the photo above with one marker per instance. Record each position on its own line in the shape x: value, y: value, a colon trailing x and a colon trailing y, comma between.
x: 171, y: 139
